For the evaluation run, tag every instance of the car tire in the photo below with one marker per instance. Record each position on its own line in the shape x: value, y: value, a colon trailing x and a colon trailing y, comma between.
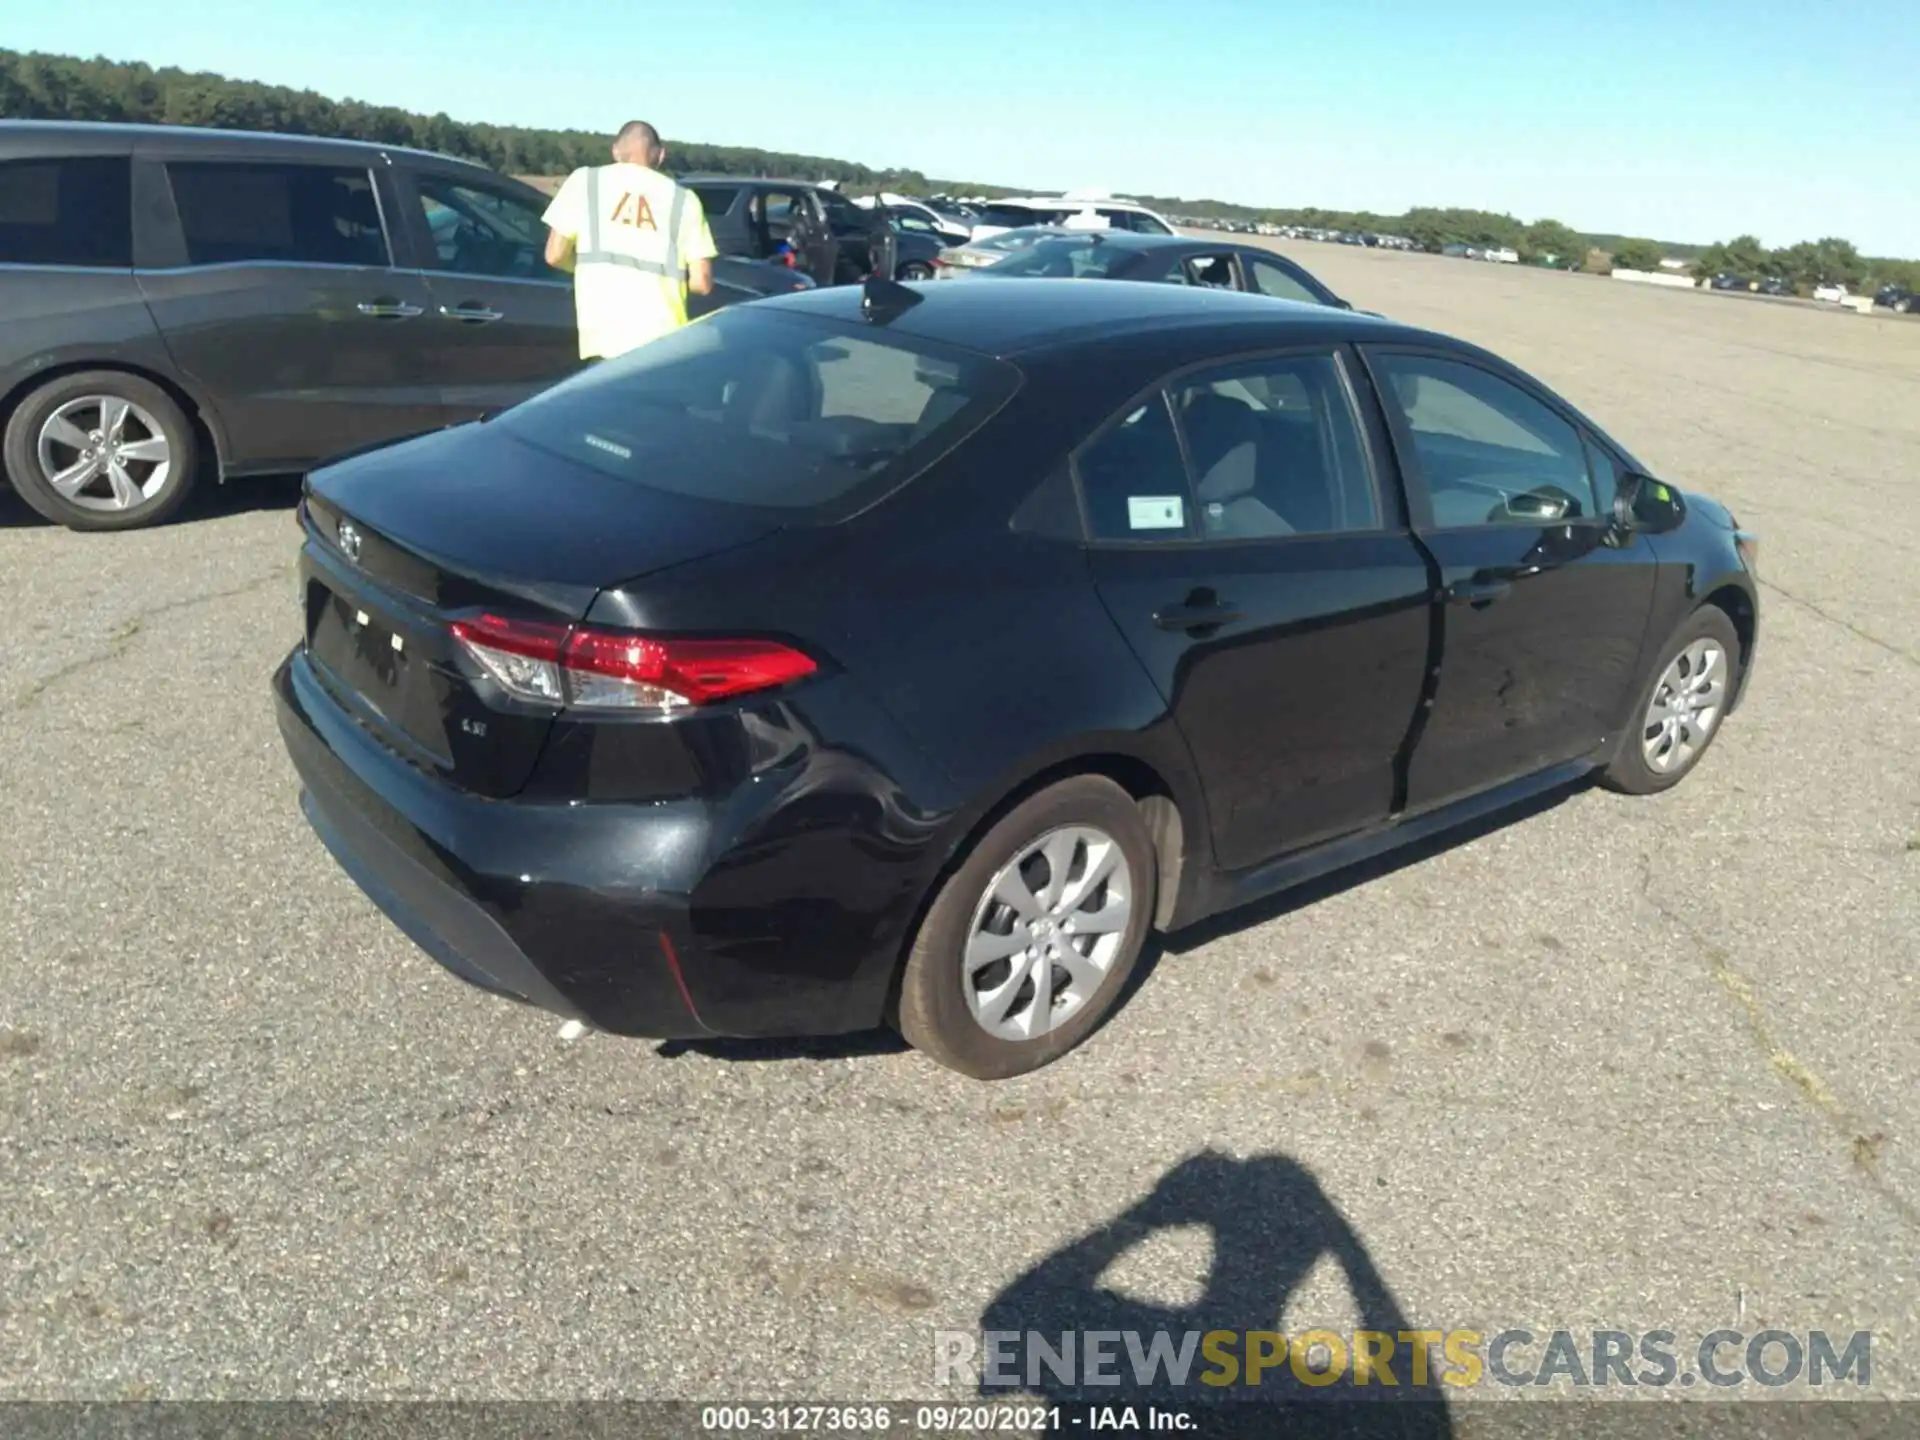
x: 1901, y: 307
x: 1699, y: 668
x: 969, y: 995
x: 916, y: 270
x: 63, y: 425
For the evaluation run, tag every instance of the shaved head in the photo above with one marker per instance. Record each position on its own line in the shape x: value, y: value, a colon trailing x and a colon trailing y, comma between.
x: 638, y: 143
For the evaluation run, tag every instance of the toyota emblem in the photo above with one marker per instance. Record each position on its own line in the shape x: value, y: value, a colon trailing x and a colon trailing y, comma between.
x: 349, y: 541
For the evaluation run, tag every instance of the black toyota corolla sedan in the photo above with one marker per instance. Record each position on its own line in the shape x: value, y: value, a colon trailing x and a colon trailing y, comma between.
x: 908, y: 654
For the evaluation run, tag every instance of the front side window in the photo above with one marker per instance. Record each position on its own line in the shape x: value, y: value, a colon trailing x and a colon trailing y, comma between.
x: 1276, y: 450
x: 783, y: 413
x: 308, y: 214
x: 71, y: 211
x: 1211, y: 272
x: 716, y: 200
x: 1489, y: 452
x: 1275, y: 280
x: 484, y: 232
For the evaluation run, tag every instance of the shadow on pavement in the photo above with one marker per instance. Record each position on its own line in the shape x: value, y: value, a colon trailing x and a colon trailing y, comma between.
x: 1271, y: 1224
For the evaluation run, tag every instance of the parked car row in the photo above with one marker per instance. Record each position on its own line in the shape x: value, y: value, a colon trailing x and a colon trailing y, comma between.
x: 182, y: 302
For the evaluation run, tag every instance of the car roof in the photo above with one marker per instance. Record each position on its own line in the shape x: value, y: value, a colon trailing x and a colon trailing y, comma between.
x: 1047, y: 314
x: 75, y: 136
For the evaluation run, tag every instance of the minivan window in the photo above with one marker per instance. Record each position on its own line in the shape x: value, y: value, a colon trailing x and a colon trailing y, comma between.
x: 71, y: 211
x: 484, y: 231
x: 780, y: 412
x: 307, y: 214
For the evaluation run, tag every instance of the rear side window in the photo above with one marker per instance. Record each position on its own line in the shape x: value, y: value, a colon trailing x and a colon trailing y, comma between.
x: 69, y: 211
x: 779, y: 412
x: 716, y: 199
x: 1134, y: 478
x: 306, y: 214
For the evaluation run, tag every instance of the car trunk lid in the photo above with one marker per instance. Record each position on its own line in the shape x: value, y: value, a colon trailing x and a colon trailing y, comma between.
x: 404, y: 541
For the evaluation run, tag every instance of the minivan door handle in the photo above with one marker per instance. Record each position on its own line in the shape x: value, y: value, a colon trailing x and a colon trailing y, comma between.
x: 470, y: 314
x: 388, y: 309
x: 1193, y: 614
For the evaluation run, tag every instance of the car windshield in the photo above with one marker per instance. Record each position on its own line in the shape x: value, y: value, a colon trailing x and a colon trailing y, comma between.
x: 802, y: 417
x: 1061, y: 258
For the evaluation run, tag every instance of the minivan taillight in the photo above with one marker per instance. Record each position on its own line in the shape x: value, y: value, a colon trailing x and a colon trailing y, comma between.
x: 594, y: 669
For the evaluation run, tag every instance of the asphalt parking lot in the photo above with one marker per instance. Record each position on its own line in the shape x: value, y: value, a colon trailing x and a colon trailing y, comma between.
x: 1621, y: 1063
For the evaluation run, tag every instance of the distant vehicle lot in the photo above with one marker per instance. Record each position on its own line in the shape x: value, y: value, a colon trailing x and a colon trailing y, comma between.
x: 1645, y: 1065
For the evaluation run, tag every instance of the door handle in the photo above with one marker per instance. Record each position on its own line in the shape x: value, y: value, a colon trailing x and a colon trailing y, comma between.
x: 1478, y: 593
x: 470, y: 314
x: 388, y: 309
x: 1191, y: 617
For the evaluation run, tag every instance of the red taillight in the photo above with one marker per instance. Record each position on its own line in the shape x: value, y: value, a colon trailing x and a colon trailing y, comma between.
x: 596, y: 669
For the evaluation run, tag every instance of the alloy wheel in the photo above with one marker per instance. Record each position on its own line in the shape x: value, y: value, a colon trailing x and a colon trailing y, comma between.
x: 1047, y: 932
x: 1686, y: 705
x: 103, y: 452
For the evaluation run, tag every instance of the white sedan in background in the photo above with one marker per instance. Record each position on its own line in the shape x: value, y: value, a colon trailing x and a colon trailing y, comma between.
x: 1837, y: 294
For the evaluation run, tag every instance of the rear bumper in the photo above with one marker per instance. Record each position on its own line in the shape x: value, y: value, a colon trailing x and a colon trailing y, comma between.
x: 552, y: 905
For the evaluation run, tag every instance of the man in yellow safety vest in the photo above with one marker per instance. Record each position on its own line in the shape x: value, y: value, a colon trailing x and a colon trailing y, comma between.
x: 637, y: 243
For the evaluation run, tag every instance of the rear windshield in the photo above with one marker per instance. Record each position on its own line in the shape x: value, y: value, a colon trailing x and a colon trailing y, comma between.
x: 804, y: 418
x: 1065, y: 259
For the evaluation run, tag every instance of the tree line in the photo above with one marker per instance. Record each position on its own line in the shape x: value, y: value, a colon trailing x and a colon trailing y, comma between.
x: 61, y: 87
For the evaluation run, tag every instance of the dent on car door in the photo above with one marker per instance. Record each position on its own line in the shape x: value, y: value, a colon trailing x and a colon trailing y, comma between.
x: 501, y: 325
x: 1544, y: 605
x: 277, y: 296
x: 1244, y: 544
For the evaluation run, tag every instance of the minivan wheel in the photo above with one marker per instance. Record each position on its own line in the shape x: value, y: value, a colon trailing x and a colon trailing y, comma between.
x: 1029, y: 943
x: 1682, y: 707
x: 916, y: 270
x: 101, y: 450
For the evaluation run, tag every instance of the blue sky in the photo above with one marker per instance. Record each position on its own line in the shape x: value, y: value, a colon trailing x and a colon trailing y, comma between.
x: 1684, y: 120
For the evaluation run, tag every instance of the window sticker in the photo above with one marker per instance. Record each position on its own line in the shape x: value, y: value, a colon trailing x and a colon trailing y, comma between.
x: 1156, y: 512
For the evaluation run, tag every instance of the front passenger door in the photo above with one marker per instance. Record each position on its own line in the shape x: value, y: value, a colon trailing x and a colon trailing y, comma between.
x: 502, y: 324
x: 1544, y: 608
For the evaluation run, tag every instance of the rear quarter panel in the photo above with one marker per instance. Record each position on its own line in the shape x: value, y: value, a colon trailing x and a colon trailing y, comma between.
x: 61, y: 319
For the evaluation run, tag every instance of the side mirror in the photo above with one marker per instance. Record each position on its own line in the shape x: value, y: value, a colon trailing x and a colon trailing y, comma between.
x: 1626, y: 496
x: 1641, y: 502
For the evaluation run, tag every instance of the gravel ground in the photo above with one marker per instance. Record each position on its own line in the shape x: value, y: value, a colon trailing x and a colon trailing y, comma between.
x: 1620, y: 1063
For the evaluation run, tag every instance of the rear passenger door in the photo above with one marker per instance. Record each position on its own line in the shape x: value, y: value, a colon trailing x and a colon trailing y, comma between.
x: 1545, y: 606
x: 500, y: 325
x: 275, y: 290
x: 1253, y: 551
